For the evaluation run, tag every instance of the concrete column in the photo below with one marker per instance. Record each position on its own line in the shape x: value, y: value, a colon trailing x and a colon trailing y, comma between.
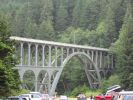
x: 72, y: 50
x: 61, y: 56
x: 92, y: 55
x: 29, y: 54
x: 43, y: 55
x: 36, y: 55
x: 100, y: 59
x: 92, y: 58
x: 35, y: 83
x: 88, y: 52
x: 49, y: 64
x: 96, y: 59
x: 103, y: 62
x: 49, y: 83
x: 89, y: 64
x: 78, y: 50
x: 21, y: 53
x: 21, y: 73
x: 55, y: 56
x: 67, y: 52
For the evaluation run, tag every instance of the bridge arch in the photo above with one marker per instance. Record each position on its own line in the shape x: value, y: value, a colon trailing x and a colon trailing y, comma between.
x: 28, y: 82
x: 88, y: 57
x: 68, y: 58
x: 42, y: 78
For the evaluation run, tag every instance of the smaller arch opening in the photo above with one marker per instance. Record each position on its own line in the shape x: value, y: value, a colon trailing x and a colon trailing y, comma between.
x: 43, y: 80
x: 29, y: 80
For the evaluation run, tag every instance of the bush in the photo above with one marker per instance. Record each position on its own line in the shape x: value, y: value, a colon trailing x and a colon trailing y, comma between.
x: 22, y: 91
x: 86, y: 90
x: 113, y: 80
x: 79, y: 89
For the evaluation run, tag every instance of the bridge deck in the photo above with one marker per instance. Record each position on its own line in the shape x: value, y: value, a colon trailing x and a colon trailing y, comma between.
x: 56, y: 43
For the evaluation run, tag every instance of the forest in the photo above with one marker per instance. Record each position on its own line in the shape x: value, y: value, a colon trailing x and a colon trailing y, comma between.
x: 99, y: 23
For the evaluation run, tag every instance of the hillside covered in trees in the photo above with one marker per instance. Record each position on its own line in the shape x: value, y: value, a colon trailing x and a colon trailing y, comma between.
x: 100, y: 23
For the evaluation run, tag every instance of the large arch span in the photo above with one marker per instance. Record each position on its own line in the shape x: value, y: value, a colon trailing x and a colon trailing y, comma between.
x: 97, y: 78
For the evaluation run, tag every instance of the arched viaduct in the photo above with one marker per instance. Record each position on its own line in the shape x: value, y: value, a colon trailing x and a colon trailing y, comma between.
x: 43, y: 61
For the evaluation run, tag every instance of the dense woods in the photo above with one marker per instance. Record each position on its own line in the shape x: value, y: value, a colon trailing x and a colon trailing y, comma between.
x: 100, y: 23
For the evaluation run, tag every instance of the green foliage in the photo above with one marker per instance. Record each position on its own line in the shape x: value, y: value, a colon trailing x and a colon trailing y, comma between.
x: 79, y: 89
x: 8, y: 77
x: 61, y: 18
x: 124, y: 50
x: 126, y: 39
x: 82, y: 37
x: 46, y: 30
x: 112, y: 80
x: 31, y: 29
x: 84, y: 89
x: 21, y: 91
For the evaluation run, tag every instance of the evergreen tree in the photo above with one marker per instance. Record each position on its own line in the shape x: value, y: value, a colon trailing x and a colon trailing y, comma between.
x: 126, y: 39
x: 9, y: 79
x: 107, y: 29
x: 61, y: 17
x: 77, y: 13
x: 31, y: 29
x: 19, y: 22
x: 110, y: 30
x: 70, y: 6
x: 47, y: 11
x: 92, y: 14
x: 124, y: 50
x: 46, y: 30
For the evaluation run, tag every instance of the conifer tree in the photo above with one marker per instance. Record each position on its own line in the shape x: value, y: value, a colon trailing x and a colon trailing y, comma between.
x: 124, y: 50
x: 109, y: 33
x: 61, y: 17
x: 46, y: 30
x: 9, y: 79
x: 126, y: 39
x: 47, y: 10
x: 31, y: 28
x: 77, y: 13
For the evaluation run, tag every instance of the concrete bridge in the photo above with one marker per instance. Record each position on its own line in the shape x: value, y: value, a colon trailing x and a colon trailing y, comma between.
x: 41, y: 62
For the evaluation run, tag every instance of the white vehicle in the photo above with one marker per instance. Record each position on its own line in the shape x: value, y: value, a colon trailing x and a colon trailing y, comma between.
x: 32, y: 96
x: 35, y: 92
x: 63, y: 97
x: 113, y: 89
x: 43, y: 96
x: 126, y: 95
